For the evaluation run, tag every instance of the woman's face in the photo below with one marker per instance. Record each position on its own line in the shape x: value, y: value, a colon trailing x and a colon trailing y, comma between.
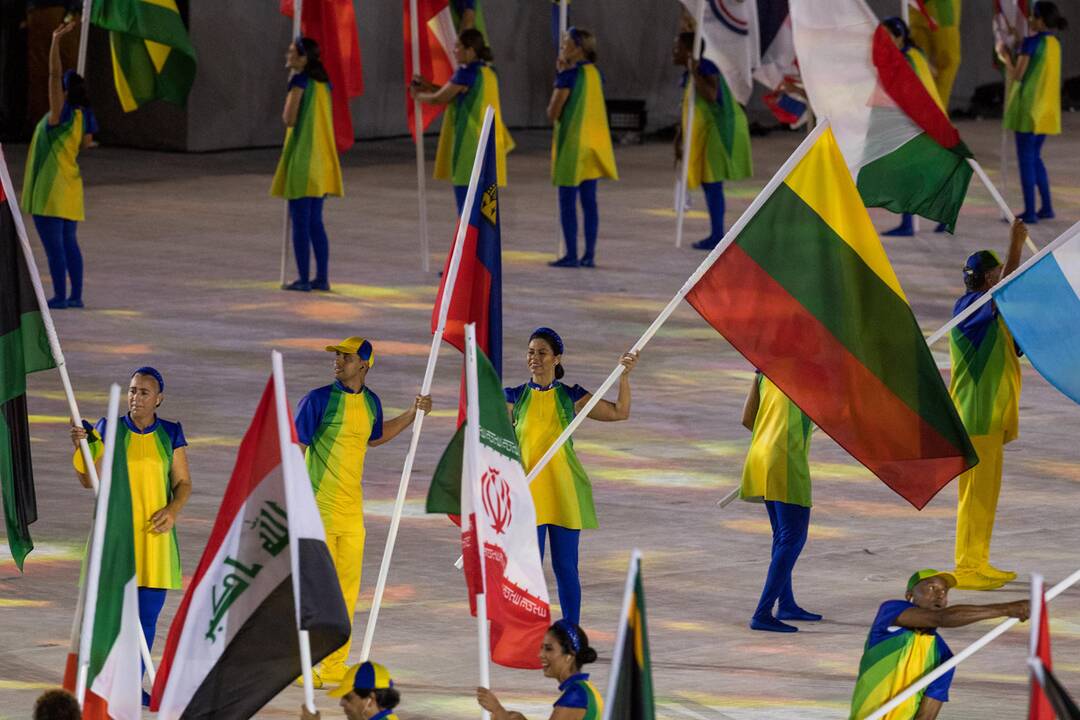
x: 294, y: 60
x: 541, y: 358
x: 463, y: 55
x: 569, y: 49
x: 143, y: 396
x: 556, y: 663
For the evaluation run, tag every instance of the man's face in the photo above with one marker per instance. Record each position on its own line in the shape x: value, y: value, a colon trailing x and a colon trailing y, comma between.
x: 993, y: 277
x: 356, y: 707
x: 930, y: 594
x: 348, y: 368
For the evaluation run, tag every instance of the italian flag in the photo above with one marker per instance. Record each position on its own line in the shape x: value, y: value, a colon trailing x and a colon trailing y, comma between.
x: 899, y: 144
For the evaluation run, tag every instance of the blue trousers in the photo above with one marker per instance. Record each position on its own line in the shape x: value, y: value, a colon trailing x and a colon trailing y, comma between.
x: 308, y: 234
x: 1032, y: 171
x: 564, y: 562
x: 790, y: 525
x: 459, y: 195
x: 568, y: 197
x: 714, y: 198
x: 62, y: 251
x: 151, y: 600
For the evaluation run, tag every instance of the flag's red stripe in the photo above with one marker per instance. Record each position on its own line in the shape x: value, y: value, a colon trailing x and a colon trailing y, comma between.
x: 798, y: 353
x: 906, y: 89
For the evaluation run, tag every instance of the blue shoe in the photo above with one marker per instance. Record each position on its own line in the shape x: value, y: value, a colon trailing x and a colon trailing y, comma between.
x: 75, y: 303
x: 1046, y: 213
x: 1029, y: 218
x: 587, y: 261
x: 768, y: 623
x: 299, y: 286
x: 797, y: 613
x: 901, y: 230
x: 941, y: 227
x: 321, y: 285
x: 565, y: 261
x: 706, y: 244
x: 57, y: 303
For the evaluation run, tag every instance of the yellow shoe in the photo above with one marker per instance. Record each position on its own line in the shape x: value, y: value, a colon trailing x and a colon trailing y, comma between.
x: 993, y: 573
x: 316, y: 680
x: 332, y: 675
x: 971, y: 580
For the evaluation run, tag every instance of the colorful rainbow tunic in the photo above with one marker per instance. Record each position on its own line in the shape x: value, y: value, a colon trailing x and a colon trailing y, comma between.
x: 561, y: 492
x: 985, y: 382
x: 580, y: 694
x: 309, y: 164
x: 149, y: 455
x: 777, y: 466
x: 720, y: 143
x: 53, y: 185
x: 462, y: 122
x: 336, y: 424
x: 893, y: 658
x: 1034, y: 103
x: 581, y: 144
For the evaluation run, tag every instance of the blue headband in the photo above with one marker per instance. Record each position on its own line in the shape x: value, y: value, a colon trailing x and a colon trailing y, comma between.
x: 147, y: 370
x: 551, y: 336
x: 574, y: 35
x: 571, y: 634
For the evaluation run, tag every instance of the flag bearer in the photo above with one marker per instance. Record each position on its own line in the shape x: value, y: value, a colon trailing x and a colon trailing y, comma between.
x: 366, y: 692
x: 53, y: 186
x: 337, y: 423
x: 308, y: 169
x: 986, y: 389
x: 941, y: 43
x: 541, y: 410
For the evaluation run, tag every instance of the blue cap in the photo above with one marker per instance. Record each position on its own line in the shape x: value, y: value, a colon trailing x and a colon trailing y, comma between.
x: 363, y: 677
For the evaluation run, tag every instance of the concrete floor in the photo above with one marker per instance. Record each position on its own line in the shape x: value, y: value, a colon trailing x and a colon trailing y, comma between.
x: 182, y: 257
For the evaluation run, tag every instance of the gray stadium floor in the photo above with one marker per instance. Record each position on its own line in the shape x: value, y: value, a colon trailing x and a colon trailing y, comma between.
x: 182, y: 259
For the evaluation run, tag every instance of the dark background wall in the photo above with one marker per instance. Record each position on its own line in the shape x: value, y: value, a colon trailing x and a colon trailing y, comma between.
x: 237, y: 97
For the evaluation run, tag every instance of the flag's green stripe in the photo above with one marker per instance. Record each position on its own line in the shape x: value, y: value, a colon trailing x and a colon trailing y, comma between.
x: 172, y: 84
x: 144, y: 20
x: 117, y: 560
x: 822, y: 273
x: 18, y: 535
x: 496, y: 430
x: 919, y: 177
x: 24, y: 350
x: 645, y: 668
x: 444, y: 494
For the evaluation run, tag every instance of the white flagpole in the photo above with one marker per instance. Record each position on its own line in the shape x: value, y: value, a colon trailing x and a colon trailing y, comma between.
x: 1004, y: 206
x: 1037, y: 585
x: 286, y: 448
x: 964, y: 654
x: 93, y: 573
x: 688, y: 126
x: 84, y: 36
x: 472, y: 450
x: 988, y: 296
x: 620, y: 632
x: 429, y: 372
x: 298, y: 11
x: 564, y: 22
x: 728, y: 239
x: 905, y: 15
x: 418, y: 131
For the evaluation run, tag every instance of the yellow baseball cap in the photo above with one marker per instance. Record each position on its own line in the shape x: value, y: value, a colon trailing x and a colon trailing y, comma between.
x: 921, y: 575
x: 363, y: 676
x: 357, y: 345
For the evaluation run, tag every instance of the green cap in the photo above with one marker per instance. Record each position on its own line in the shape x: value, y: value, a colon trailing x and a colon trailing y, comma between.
x: 926, y: 574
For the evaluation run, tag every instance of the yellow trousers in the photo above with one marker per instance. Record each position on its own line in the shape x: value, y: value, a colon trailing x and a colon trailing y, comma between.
x: 347, y: 552
x: 979, y: 490
x: 942, y: 48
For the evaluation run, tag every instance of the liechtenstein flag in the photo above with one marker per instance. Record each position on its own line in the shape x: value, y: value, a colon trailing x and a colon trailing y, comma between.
x: 477, y: 291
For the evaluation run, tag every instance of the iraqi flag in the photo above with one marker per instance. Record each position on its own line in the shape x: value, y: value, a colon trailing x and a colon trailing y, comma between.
x: 233, y: 644
x: 731, y: 41
x: 436, y: 38
x: 498, y: 515
x: 332, y: 24
x: 899, y: 144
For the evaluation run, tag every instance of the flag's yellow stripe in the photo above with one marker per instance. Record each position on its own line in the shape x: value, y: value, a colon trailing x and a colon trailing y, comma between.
x: 158, y: 54
x: 123, y: 90
x: 823, y: 183
x: 167, y: 4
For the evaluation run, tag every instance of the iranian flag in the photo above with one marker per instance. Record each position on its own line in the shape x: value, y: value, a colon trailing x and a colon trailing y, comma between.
x: 265, y: 574
x: 899, y: 144
x: 109, y: 649
x: 498, y: 516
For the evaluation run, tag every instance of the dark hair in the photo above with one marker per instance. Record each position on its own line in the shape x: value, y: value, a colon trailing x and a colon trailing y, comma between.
x: 57, y: 705
x: 573, y: 641
x: 308, y: 48
x: 1048, y: 12
x: 899, y: 29
x: 473, y: 39
x: 75, y: 89
x: 386, y: 698
x: 554, y: 342
x: 584, y: 40
x: 686, y: 39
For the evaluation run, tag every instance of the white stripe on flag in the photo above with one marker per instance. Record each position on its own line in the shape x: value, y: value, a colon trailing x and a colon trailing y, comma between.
x: 118, y: 680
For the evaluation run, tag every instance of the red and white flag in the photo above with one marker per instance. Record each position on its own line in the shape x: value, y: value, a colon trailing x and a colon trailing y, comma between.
x: 1039, y: 657
x: 436, y: 45
x: 233, y: 644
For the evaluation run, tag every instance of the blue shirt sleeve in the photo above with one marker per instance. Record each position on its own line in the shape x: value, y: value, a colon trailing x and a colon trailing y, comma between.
x: 99, y: 428
x: 463, y: 5
x: 309, y: 413
x: 887, y: 614
x: 707, y: 67
x: 939, y: 689
x: 565, y: 80
x: 465, y: 75
x: 513, y: 394
x: 376, y: 427
x: 574, y: 697
x: 176, y: 433
x: 1030, y: 44
x: 576, y: 392
x: 90, y: 123
x: 299, y: 80
x: 976, y: 323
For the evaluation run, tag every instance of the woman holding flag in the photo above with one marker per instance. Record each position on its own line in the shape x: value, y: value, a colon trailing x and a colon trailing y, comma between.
x: 1033, y: 108
x: 309, y: 169
x: 581, y: 151
x: 563, y: 653
x: 541, y: 409
x: 472, y: 87
x: 53, y: 187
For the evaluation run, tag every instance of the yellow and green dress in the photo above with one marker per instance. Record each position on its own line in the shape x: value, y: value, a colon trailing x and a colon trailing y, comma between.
x: 463, y: 121
x: 309, y: 166
x: 942, y: 45
x: 581, y: 146
x: 917, y: 60
x: 985, y: 388
x: 579, y: 693
x: 148, y: 455
x: 1034, y: 102
x: 52, y: 185
x: 336, y: 424
x: 893, y: 658
x: 777, y: 467
x: 720, y: 139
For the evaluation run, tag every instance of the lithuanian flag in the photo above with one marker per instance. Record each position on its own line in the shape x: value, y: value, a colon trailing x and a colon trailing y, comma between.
x: 630, y: 690
x: 152, y: 56
x: 806, y: 293
x: 24, y: 348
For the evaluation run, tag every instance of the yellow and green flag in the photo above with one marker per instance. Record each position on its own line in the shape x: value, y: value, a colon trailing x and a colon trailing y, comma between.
x: 630, y: 689
x: 153, y: 59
